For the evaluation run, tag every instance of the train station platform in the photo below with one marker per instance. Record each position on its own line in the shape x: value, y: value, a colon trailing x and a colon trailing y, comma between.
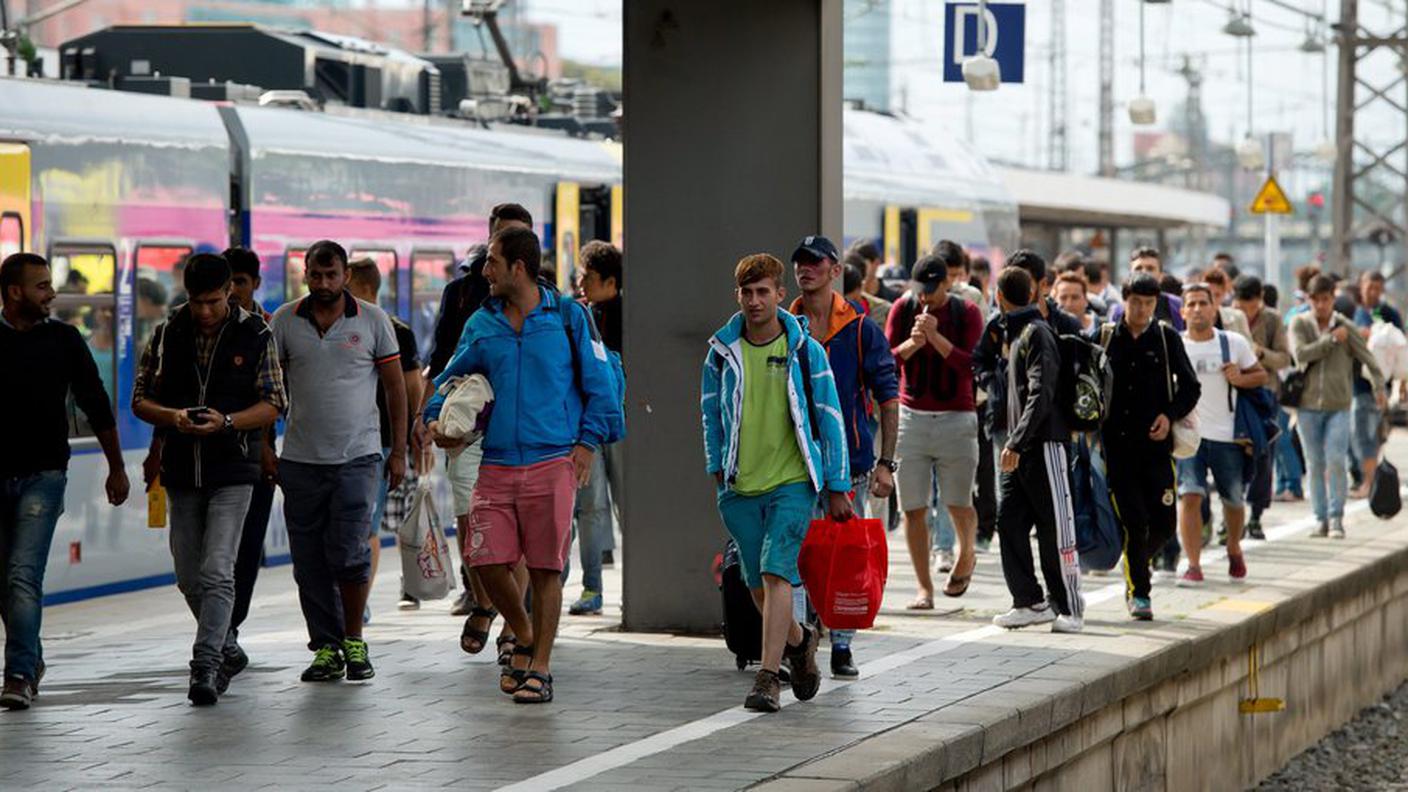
x: 945, y: 700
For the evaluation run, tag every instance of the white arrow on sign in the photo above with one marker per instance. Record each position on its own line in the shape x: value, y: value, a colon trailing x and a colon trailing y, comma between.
x: 960, y: 23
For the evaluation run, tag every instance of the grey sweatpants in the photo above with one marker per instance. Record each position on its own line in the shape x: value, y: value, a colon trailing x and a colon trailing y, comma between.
x: 206, y: 525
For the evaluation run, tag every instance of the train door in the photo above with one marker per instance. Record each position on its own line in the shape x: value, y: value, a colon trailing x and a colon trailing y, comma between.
x: 910, y: 249
x: 890, y: 236
x: 567, y: 232
x: 15, y: 228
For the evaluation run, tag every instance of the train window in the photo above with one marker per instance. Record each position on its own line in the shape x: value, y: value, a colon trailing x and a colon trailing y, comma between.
x: 386, y: 264
x: 431, y: 270
x: 84, y: 276
x: 160, y: 287
x: 294, y: 287
x: 11, y: 234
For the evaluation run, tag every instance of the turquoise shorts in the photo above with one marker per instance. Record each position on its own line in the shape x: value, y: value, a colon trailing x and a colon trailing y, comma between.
x: 769, y: 530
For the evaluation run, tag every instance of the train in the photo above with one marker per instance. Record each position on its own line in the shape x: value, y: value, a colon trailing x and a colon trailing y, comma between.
x: 116, y: 189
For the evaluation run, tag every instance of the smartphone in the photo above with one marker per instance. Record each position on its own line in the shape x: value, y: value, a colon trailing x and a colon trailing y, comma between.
x: 196, y: 414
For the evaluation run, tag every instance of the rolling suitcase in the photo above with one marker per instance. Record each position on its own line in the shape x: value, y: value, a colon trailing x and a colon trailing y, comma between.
x: 743, y: 625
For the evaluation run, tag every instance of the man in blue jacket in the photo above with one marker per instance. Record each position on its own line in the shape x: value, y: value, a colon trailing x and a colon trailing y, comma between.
x: 537, y: 350
x: 773, y: 439
x: 864, y: 370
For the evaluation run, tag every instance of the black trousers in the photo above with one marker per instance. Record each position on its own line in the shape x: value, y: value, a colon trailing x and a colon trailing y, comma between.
x: 251, y: 552
x: 985, y: 495
x: 1259, y: 488
x: 1141, y: 486
x: 1038, y: 494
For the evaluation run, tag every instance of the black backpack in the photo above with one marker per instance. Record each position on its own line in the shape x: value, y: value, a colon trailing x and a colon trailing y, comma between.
x: 1384, y: 498
x: 1086, y: 380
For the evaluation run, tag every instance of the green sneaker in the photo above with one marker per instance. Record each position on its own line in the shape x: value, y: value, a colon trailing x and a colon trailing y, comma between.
x: 359, y: 666
x: 326, y: 667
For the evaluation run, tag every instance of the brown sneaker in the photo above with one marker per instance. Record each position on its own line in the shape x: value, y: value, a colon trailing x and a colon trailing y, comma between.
x: 764, y: 697
x: 801, y: 659
x: 17, y: 693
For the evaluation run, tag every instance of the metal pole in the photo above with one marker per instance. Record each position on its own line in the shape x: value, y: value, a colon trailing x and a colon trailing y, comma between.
x: 1342, y: 216
x: 1272, y: 220
x: 1107, y: 88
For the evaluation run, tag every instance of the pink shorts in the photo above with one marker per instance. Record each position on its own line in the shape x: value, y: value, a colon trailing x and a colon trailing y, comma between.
x: 522, y: 513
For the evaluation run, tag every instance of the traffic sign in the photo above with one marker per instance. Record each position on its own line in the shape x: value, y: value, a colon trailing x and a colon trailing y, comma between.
x: 1006, y: 38
x: 1271, y: 199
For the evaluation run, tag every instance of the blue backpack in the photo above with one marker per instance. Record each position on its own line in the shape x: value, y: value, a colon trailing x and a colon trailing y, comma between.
x: 616, y: 425
x: 1099, y: 541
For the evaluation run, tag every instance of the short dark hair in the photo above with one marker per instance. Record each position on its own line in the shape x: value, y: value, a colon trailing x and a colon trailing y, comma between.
x: 979, y: 264
x: 1231, y: 269
x: 510, y: 211
x: 1270, y: 295
x: 1248, y: 287
x: 364, y: 270
x: 1304, y: 275
x: 1141, y: 284
x: 1144, y: 251
x: 1015, y: 286
x: 13, y: 266
x: 520, y: 244
x: 243, y: 261
x: 1094, y: 272
x: 866, y: 249
x: 1322, y: 284
x: 1170, y: 284
x: 151, y: 290
x: 853, y: 259
x: 1030, y: 261
x: 1197, y: 287
x: 604, y: 259
x: 1216, y: 277
x: 205, y: 273
x: 950, y: 253
x: 324, y: 252
x: 851, y: 278
x: 1373, y: 276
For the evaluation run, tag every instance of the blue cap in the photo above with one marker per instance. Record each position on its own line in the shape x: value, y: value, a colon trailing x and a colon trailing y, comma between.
x: 816, y: 247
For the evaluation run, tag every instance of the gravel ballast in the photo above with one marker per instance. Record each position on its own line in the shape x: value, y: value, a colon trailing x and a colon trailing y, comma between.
x: 1368, y: 753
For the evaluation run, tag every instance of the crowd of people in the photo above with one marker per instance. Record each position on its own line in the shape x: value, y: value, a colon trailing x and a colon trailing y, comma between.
x: 359, y: 413
x: 937, y: 393
x: 933, y: 396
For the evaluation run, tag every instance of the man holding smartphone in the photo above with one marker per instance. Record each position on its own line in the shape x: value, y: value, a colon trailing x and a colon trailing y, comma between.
x: 210, y: 377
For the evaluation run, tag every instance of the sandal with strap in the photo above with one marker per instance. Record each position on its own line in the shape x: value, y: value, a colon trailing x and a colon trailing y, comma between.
x: 511, y: 679
x: 505, y: 645
x: 535, y: 694
x: 473, y: 641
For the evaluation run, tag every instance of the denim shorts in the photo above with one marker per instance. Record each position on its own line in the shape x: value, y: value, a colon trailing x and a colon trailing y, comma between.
x: 1226, y: 461
x: 1366, y: 416
x: 769, y: 529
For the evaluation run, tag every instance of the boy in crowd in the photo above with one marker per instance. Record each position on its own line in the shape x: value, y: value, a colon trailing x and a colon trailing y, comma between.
x: 773, y: 441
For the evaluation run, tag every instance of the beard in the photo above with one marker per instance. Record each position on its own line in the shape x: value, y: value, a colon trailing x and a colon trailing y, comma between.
x: 324, y: 296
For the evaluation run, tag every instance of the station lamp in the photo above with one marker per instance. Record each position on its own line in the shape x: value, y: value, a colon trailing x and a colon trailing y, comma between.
x: 1239, y: 25
x: 1141, y: 109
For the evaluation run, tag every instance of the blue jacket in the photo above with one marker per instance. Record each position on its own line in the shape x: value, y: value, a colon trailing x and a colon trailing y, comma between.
x: 721, y: 401
x: 864, y: 368
x: 539, y: 412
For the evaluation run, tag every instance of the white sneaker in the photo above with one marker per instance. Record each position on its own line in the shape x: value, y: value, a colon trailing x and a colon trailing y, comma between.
x: 1025, y: 617
x: 943, y: 561
x: 1068, y: 624
x: 1336, y: 527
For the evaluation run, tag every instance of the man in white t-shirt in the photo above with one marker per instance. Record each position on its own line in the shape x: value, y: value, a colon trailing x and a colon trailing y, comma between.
x: 1223, y: 362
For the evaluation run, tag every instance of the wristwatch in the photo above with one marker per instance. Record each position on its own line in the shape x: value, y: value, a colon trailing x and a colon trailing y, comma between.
x: 229, y: 423
x: 889, y: 464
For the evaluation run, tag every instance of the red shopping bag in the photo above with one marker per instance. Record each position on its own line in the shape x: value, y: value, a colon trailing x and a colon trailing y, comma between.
x: 844, y: 567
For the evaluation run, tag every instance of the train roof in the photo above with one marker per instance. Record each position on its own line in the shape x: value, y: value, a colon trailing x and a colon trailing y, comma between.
x: 901, y: 160
x: 420, y: 141
x: 73, y: 113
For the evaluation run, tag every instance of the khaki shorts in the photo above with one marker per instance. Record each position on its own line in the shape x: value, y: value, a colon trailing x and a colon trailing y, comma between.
x: 463, y: 473
x: 942, y: 444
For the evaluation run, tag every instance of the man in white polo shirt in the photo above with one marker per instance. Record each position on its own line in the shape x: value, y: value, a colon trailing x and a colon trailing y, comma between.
x: 334, y: 349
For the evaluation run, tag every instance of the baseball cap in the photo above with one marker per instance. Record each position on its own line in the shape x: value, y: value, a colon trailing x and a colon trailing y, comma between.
x: 930, y: 273
x: 816, y: 247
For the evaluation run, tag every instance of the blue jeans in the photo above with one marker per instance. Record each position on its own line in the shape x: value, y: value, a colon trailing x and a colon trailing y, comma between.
x: 29, y: 510
x: 1366, y: 415
x: 1288, y: 468
x: 592, y: 515
x: 382, y: 493
x: 206, y: 526
x: 941, y: 530
x: 1325, y: 437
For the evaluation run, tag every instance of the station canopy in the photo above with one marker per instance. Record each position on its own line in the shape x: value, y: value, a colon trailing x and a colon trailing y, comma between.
x: 1073, y: 200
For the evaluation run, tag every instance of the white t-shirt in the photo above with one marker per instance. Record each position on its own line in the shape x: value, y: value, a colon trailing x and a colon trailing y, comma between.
x: 1215, y: 420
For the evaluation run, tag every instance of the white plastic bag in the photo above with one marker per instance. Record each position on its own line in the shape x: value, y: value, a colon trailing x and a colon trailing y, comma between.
x: 1390, y: 348
x: 426, y: 569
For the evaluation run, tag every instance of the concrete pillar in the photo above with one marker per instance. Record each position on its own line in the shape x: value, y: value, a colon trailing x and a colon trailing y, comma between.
x: 732, y: 146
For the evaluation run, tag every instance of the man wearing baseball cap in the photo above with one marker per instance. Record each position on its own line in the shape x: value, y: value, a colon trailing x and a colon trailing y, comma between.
x: 864, y: 371
x: 932, y: 334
